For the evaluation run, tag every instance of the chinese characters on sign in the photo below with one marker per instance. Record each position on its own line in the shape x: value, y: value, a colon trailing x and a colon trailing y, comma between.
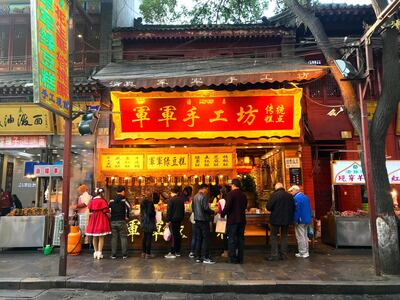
x: 25, y: 119
x: 350, y: 172
x: 122, y: 162
x: 292, y: 162
x: 206, y: 117
x: 211, y: 161
x: 20, y: 142
x: 167, y: 161
x: 48, y: 170
x: 50, y: 54
x: 134, y: 226
x: 135, y: 162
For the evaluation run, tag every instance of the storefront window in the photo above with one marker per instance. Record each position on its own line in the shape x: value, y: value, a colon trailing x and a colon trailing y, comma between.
x: 21, y: 34
x: 4, y: 43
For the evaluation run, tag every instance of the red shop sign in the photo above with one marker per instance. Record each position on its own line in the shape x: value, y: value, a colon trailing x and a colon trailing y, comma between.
x: 207, y: 114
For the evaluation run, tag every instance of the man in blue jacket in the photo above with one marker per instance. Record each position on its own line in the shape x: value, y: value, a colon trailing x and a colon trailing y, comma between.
x: 301, y: 219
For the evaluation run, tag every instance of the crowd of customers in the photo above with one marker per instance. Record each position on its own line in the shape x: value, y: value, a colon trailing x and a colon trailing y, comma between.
x: 286, y: 208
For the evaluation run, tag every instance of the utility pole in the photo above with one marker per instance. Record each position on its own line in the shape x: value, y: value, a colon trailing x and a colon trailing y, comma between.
x: 62, y: 266
x: 73, y: 6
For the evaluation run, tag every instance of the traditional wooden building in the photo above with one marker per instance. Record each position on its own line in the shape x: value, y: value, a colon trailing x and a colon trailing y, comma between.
x: 227, y: 98
x: 183, y: 61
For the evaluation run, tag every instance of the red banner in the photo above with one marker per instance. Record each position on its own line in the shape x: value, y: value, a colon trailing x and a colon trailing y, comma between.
x: 206, y: 115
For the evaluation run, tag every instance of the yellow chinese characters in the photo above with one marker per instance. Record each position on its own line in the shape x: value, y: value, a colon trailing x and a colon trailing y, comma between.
x: 191, y: 116
x: 269, y: 113
x: 181, y: 232
x: 218, y: 117
x: 141, y: 114
x: 280, y: 111
x: 133, y: 228
x: 167, y: 114
x: 159, y: 230
x: 248, y: 117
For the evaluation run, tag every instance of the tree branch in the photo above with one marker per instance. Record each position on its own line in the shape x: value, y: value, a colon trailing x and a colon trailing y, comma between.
x: 346, y: 88
x: 390, y: 96
x: 378, y: 6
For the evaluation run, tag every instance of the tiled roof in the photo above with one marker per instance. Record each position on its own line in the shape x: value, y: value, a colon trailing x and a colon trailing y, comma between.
x: 199, y: 31
x: 337, y: 18
x: 22, y: 83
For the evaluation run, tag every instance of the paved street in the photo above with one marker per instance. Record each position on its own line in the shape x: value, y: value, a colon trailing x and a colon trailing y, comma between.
x: 122, y: 295
x: 327, y: 271
x: 324, y: 264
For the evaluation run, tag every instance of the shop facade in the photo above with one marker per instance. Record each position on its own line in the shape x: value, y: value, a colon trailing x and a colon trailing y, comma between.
x: 205, y: 117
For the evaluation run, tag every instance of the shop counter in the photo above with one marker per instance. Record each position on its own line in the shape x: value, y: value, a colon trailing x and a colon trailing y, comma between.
x: 256, y: 233
x: 346, y: 231
x: 22, y: 231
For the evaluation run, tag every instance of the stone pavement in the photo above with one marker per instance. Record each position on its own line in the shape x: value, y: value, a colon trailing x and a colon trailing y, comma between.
x: 75, y: 294
x: 327, y: 271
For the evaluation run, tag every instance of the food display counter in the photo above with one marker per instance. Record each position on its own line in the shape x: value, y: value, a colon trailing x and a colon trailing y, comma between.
x: 22, y: 231
x: 346, y: 231
x: 255, y: 233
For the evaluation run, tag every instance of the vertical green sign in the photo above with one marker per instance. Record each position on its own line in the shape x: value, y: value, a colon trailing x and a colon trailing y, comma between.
x: 49, y: 25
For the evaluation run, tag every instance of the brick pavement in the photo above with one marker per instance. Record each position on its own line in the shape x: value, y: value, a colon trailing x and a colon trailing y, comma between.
x: 326, y: 271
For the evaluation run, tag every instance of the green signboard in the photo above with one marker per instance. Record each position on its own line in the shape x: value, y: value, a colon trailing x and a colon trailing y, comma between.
x: 49, y: 27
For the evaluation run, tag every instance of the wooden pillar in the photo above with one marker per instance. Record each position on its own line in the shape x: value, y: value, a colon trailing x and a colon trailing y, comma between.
x: 307, y: 169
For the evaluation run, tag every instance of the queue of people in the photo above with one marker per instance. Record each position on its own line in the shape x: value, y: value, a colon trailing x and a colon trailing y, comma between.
x: 286, y: 207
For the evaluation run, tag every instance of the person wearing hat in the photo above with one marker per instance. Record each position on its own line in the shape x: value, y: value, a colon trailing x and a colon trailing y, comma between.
x: 281, y: 206
x: 235, y: 210
x: 302, y: 219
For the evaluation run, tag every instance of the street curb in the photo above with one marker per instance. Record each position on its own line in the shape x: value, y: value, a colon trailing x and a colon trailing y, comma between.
x: 386, y: 287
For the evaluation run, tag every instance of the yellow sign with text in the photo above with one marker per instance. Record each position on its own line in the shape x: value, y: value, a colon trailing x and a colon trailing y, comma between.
x: 26, y: 119
x: 212, y: 161
x: 122, y: 162
x: 168, y: 161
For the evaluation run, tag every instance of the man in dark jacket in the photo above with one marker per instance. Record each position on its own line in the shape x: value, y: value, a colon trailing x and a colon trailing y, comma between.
x: 281, y: 206
x: 175, y: 215
x: 202, y: 214
x: 235, y: 209
x: 120, y: 214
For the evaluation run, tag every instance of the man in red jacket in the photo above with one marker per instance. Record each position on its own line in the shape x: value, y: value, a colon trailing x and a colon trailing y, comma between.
x: 235, y: 209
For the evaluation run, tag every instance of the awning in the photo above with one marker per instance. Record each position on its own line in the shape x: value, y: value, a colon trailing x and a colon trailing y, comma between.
x: 205, y: 72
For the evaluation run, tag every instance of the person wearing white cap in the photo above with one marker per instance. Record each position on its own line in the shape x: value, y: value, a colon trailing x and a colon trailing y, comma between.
x: 301, y: 219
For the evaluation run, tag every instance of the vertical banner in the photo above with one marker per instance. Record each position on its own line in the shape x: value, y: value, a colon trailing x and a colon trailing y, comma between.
x: 49, y: 27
